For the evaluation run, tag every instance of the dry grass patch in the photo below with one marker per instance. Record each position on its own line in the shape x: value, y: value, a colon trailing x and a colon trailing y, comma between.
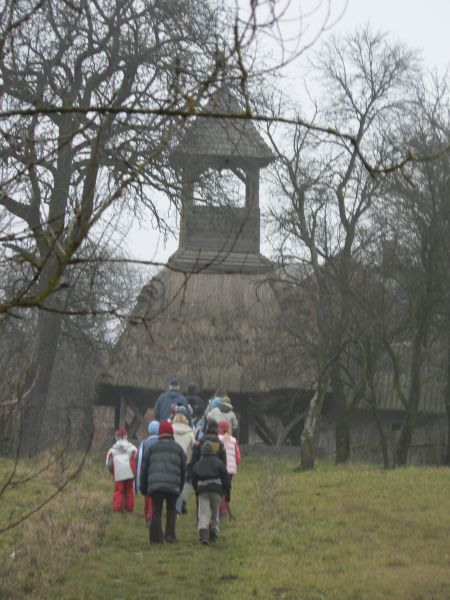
x: 37, y: 552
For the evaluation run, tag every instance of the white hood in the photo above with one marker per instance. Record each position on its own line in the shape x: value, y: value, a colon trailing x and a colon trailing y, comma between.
x: 184, y: 436
x: 122, y: 451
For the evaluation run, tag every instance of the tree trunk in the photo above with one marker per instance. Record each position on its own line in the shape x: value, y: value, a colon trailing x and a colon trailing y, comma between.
x: 372, y: 400
x: 382, y: 434
x: 447, y: 395
x: 343, y: 426
x: 405, y: 438
x: 308, y: 437
x: 33, y: 411
x: 404, y: 441
x: 343, y: 417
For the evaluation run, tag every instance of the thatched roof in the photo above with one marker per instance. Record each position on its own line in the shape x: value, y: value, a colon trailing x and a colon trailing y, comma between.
x: 231, y: 330
x: 213, y: 329
x: 222, y: 137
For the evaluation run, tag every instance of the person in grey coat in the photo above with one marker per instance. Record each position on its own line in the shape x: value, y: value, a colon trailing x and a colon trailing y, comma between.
x: 162, y: 477
x: 223, y: 411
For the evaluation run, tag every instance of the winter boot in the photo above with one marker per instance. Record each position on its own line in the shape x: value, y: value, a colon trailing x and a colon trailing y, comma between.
x: 213, y: 535
x: 204, y: 536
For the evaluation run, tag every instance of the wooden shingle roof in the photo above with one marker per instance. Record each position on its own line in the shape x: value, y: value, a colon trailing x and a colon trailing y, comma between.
x: 217, y: 329
x: 215, y: 137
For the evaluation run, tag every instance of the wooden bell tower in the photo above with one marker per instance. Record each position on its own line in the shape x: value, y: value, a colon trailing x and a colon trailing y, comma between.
x: 217, y: 235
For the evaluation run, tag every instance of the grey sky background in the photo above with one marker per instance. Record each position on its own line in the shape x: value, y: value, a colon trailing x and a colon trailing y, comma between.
x: 421, y: 25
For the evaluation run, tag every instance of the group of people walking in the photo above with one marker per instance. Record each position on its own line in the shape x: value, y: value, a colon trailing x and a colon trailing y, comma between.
x: 188, y: 446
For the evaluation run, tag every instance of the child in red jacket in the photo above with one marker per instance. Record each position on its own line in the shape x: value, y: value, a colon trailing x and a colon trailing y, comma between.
x: 121, y: 462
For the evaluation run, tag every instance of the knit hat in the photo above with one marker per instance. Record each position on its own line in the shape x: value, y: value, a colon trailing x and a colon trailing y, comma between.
x: 181, y: 409
x: 165, y: 428
x: 121, y: 433
x: 207, y: 448
x: 215, y: 402
x: 226, y: 400
x: 153, y: 428
x: 224, y: 427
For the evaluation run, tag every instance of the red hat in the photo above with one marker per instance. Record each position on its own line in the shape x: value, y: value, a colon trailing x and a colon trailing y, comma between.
x: 224, y: 426
x: 121, y: 433
x: 165, y: 428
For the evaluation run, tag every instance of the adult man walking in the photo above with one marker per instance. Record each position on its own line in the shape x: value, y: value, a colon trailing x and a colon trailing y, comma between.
x: 162, y: 478
x: 167, y: 399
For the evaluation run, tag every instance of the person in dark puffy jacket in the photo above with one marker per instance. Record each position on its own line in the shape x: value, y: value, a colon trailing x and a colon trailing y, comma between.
x: 162, y: 478
x: 210, y: 481
x: 211, y: 435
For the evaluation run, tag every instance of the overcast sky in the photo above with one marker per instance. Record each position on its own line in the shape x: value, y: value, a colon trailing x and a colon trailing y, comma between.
x: 422, y: 25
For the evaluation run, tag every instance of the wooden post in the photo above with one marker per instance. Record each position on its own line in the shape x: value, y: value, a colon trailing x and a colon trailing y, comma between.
x: 138, y: 419
x: 243, y: 420
x: 132, y: 430
x: 252, y: 188
x: 122, y: 411
x: 251, y: 430
x: 264, y: 432
x: 116, y: 414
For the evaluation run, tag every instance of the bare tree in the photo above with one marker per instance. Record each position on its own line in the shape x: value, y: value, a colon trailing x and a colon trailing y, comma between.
x: 330, y: 195
x: 416, y: 218
x: 62, y: 171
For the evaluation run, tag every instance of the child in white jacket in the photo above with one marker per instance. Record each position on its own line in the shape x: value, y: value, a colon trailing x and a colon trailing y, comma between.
x: 121, y: 462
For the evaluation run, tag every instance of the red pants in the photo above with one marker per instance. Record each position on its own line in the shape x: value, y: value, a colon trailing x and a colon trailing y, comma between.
x: 148, y: 508
x: 123, y: 494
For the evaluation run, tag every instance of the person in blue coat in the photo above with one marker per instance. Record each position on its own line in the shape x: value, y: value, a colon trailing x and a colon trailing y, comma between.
x: 153, y: 430
x: 173, y: 397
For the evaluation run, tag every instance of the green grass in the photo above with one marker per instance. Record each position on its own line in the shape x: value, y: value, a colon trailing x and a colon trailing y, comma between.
x: 353, y: 532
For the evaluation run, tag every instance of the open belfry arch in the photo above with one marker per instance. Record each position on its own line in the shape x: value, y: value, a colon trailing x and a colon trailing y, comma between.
x: 211, y: 317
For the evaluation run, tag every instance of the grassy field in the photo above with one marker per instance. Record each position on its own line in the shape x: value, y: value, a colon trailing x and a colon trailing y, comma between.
x: 351, y: 532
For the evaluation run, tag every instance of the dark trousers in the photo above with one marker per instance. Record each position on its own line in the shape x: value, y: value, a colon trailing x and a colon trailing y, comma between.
x: 156, y: 532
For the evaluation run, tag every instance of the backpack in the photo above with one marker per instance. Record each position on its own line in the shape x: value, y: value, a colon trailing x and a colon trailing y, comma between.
x: 200, y: 429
